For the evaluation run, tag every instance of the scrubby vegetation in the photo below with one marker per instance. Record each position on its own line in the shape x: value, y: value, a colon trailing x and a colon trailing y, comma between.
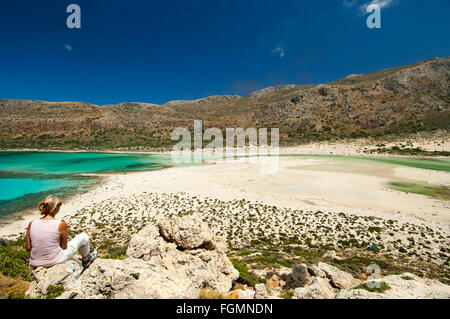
x: 208, y: 293
x: 244, y: 275
x: 114, y: 252
x: 395, y: 150
x: 14, y: 260
x: 440, y: 192
x: 374, y: 287
x: 15, y: 272
x: 261, y: 236
x: 54, y: 291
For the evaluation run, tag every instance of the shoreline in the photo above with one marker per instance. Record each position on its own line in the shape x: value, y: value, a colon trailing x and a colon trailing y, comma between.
x: 242, y: 152
x: 129, y: 183
x: 206, y: 181
x: 19, y: 215
x: 437, y: 142
x: 103, y: 177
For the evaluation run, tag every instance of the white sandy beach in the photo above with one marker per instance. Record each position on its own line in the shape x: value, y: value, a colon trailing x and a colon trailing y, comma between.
x: 356, y: 187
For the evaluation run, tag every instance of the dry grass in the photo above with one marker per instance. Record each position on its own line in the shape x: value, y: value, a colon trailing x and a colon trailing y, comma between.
x: 208, y: 293
x: 10, y: 285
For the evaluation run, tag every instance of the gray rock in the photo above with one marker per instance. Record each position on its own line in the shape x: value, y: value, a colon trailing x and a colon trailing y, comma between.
x: 316, y: 271
x: 246, y: 294
x: 405, y: 286
x: 187, y: 232
x: 360, y: 294
x: 60, y: 274
x: 339, y: 278
x: 259, y: 273
x: 330, y: 254
x: 319, y: 288
x: 261, y: 292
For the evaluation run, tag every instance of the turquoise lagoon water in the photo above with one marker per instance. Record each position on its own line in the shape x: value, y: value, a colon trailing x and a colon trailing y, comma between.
x: 27, y: 177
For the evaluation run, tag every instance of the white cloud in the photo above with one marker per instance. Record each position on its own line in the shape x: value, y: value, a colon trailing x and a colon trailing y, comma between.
x: 363, y: 7
x: 349, y: 3
x: 68, y: 47
x: 279, y: 50
x: 382, y: 3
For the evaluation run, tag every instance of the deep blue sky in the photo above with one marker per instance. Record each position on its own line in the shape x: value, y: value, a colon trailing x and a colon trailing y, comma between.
x: 156, y: 51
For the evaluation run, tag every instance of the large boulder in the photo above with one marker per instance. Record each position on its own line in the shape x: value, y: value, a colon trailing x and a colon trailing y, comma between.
x: 59, y: 274
x: 163, y: 261
x: 319, y: 288
x: 187, y: 232
x: 339, y: 278
x: 330, y: 254
x: 316, y: 271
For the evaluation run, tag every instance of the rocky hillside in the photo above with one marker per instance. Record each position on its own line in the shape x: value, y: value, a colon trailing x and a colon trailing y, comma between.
x: 182, y: 258
x: 395, y: 101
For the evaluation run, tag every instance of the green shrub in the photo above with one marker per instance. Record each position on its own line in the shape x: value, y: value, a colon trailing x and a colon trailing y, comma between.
x: 244, y: 275
x: 407, y: 278
x: 135, y: 276
x: 287, y: 295
x: 14, y: 260
x: 16, y: 295
x: 382, y: 287
x: 116, y: 253
x: 54, y: 291
x: 375, y: 229
x: 244, y: 253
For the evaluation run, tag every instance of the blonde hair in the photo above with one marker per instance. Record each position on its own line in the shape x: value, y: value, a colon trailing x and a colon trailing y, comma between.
x: 49, y: 205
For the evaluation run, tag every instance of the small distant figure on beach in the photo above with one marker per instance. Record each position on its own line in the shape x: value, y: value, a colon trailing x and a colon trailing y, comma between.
x: 47, y: 238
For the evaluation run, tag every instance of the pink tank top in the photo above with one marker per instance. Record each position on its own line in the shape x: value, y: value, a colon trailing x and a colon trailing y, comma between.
x: 45, y: 241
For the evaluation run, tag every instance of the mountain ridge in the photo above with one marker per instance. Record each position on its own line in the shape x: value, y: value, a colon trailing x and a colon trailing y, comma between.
x: 400, y: 100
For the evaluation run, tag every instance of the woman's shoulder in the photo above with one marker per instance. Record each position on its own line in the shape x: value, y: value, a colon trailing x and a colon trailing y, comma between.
x: 47, y: 221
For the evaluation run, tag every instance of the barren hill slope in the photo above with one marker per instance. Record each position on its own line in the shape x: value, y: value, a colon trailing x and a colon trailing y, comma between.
x: 401, y: 100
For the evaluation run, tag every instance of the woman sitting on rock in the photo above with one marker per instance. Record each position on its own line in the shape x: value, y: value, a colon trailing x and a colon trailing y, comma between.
x: 46, y: 238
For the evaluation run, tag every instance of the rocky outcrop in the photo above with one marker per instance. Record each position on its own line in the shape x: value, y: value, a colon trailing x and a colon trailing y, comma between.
x: 316, y: 271
x: 319, y: 288
x: 405, y: 286
x: 245, y: 294
x: 261, y: 292
x: 339, y: 279
x: 360, y: 294
x: 165, y: 260
x: 187, y: 233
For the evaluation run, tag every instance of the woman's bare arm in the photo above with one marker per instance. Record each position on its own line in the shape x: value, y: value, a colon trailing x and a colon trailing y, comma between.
x: 63, y: 231
x: 27, y: 238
